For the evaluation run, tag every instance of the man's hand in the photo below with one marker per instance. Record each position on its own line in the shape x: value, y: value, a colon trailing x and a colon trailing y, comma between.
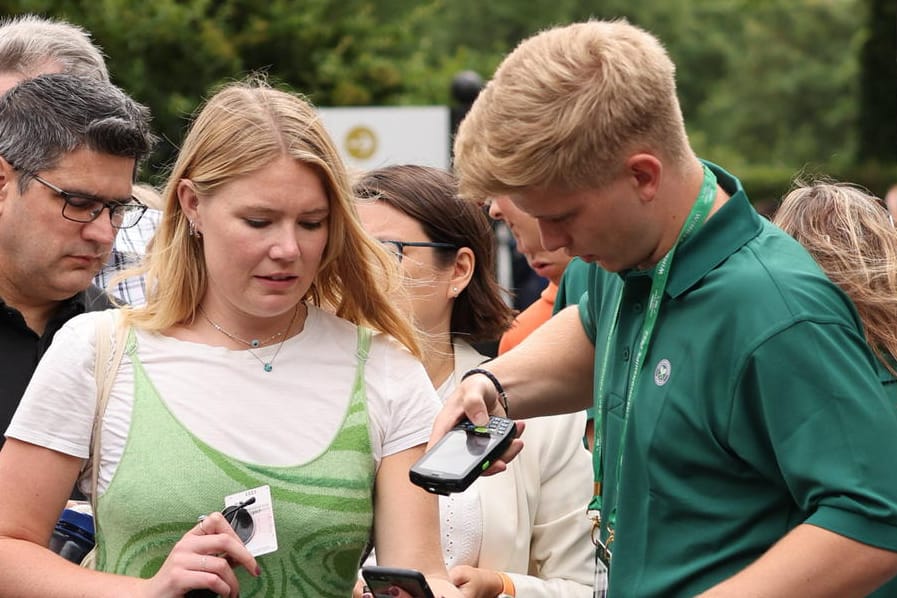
x: 475, y: 399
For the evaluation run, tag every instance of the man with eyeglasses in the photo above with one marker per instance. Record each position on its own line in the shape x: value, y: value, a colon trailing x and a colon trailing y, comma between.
x: 69, y: 149
x: 31, y: 45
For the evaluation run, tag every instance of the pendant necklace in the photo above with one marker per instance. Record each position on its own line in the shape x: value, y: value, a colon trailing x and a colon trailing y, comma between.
x: 256, y: 343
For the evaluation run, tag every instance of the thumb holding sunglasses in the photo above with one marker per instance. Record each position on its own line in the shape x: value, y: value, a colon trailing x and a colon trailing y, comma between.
x: 203, y: 559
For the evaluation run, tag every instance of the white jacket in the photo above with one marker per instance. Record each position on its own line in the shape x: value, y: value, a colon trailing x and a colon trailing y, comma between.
x: 534, y: 514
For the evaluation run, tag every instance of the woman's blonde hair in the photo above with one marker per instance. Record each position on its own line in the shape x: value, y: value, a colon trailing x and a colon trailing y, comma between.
x: 564, y: 109
x: 242, y: 128
x: 851, y: 236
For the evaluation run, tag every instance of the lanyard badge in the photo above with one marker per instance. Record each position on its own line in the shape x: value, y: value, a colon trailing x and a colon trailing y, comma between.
x: 698, y: 214
x: 602, y: 548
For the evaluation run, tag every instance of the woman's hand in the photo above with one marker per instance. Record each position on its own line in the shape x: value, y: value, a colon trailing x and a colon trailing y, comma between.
x: 358, y: 590
x: 203, y: 559
x: 476, y: 583
x: 443, y: 588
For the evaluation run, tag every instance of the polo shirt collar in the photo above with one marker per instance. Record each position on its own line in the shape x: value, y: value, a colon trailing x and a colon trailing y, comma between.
x: 73, y: 306
x: 724, y: 233
x: 69, y: 308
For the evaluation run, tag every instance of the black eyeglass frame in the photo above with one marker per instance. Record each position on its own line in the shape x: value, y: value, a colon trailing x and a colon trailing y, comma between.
x: 401, y: 245
x: 82, y: 201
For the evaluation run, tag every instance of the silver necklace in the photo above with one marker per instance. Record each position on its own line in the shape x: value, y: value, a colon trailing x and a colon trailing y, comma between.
x: 256, y: 343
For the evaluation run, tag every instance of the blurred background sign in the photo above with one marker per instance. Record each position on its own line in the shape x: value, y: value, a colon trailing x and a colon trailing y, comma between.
x: 373, y: 136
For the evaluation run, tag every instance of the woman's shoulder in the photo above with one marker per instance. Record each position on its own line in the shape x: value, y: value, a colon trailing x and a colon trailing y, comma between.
x: 554, y: 432
x: 82, y: 329
x: 90, y: 320
x: 467, y: 356
x: 553, y: 447
x: 383, y: 347
x: 320, y: 318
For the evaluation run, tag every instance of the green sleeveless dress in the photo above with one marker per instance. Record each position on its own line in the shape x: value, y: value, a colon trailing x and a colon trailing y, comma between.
x: 323, y: 509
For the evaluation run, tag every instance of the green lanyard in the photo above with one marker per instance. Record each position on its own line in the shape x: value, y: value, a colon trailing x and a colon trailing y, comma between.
x: 696, y: 217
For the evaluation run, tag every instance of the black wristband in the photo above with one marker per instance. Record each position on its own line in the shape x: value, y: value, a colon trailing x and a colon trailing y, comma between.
x: 502, y: 395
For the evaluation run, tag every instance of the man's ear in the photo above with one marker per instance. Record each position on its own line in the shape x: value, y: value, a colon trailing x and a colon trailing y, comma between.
x: 7, y: 180
x: 465, y: 262
x: 645, y: 171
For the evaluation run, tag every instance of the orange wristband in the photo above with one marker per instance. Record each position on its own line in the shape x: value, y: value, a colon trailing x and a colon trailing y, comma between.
x: 507, y: 585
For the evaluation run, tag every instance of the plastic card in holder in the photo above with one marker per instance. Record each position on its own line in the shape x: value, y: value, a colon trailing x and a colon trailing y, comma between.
x: 264, y: 534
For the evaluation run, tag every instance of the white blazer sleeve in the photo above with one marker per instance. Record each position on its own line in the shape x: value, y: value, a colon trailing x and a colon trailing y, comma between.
x: 540, y: 535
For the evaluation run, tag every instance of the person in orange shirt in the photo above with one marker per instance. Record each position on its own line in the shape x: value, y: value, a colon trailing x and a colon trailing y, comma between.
x: 548, y: 264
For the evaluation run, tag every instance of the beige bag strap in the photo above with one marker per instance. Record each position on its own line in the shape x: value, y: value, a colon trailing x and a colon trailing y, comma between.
x: 104, y: 372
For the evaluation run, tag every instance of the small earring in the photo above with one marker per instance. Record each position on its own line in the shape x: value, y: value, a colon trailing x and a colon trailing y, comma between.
x: 455, y: 290
x: 193, y: 232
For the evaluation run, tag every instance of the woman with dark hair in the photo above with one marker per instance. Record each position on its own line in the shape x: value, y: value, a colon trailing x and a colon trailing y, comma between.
x: 446, y: 249
x: 523, y: 530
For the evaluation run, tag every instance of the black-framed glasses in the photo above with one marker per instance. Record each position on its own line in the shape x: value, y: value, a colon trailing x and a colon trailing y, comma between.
x: 398, y: 247
x: 81, y: 207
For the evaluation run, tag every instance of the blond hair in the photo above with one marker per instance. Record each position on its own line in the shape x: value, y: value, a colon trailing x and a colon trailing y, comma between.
x: 852, y: 237
x: 242, y: 128
x: 565, y: 108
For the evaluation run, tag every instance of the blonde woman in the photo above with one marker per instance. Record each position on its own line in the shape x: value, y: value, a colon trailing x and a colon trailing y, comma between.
x: 250, y: 369
x: 851, y: 235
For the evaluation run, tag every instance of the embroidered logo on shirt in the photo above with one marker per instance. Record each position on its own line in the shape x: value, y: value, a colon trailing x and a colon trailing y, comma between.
x: 662, y: 372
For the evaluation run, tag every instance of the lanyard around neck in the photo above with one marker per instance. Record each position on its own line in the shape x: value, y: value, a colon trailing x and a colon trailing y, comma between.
x: 697, y: 215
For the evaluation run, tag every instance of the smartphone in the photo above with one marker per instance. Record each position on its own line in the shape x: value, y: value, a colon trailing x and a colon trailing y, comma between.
x: 462, y: 455
x: 380, y: 579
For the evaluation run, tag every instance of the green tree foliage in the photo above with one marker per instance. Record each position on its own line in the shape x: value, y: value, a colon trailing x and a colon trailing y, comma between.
x: 169, y: 54
x: 767, y: 86
x: 791, y: 86
x: 878, y: 98
x: 765, y: 83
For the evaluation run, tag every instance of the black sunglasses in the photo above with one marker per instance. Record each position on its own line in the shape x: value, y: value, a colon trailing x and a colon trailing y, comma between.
x: 242, y: 523
x: 398, y: 247
x: 240, y: 519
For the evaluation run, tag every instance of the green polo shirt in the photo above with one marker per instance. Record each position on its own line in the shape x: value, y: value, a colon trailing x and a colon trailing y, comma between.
x: 574, y: 282
x: 759, y: 408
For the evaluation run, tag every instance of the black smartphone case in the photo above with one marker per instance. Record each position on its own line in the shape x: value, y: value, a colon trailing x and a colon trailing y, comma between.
x: 380, y: 579
x: 445, y: 486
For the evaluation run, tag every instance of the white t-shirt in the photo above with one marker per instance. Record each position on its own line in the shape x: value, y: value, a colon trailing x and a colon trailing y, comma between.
x: 284, y: 417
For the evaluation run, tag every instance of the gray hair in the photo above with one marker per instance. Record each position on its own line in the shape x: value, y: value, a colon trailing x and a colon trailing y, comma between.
x: 29, y: 42
x: 44, y: 118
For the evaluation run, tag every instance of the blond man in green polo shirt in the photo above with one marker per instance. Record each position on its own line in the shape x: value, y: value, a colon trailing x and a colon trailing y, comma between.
x: 744, y: 443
